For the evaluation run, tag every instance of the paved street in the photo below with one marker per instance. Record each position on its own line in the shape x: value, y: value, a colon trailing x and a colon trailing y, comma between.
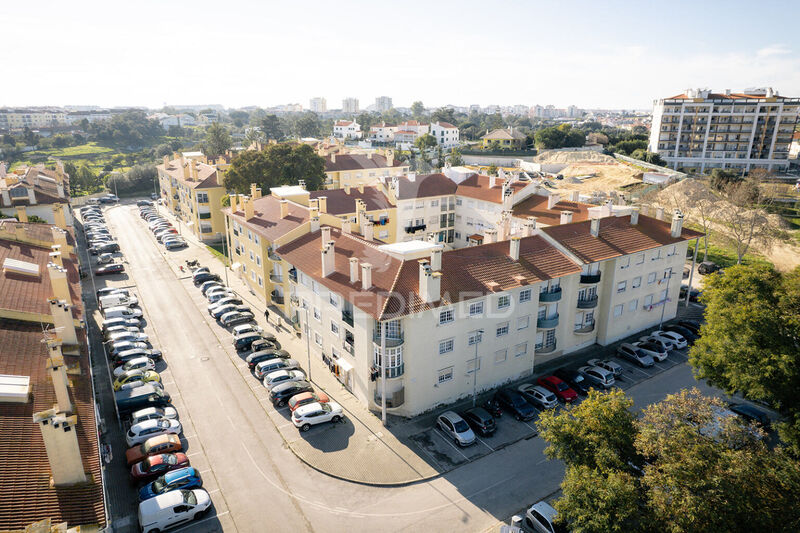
x: 259, y: 484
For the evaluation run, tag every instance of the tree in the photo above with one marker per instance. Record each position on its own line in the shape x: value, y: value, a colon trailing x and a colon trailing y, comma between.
x: 444, y: 114
x: 455, y: 157
x: 492, y: 170
x: 218, y: 140
x: 649, y: 157
x: 417, y: 110
x: 746, y: 220
x: 549, y: 138
x: 308, y: 125
x: 749, y: 341
x: 424, y: 142
x: 271, y: 127
x: 721, y: 178
x: 627, y: 147
x: 276, y: 165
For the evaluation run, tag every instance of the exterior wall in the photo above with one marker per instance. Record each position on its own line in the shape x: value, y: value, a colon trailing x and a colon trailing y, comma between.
x: 446, y: 137
x: 474, y: 216
x: 361, y: 176
x: 182, y: 201
x: 250, y: 249
x: 429, y: 211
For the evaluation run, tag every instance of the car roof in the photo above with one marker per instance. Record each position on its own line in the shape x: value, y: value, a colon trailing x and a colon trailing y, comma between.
x: 544, y: 509
x: 479, y: 412
x: 309, y: 408
x: 162, y: 501
x: 180, y: 473
x: 452, y: 416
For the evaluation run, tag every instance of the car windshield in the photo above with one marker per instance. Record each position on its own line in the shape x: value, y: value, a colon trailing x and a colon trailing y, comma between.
x: 577, y: 378
x: 461, y: 426
x: 562, y: 386
x: 158, y: 485
x: 189, y: 497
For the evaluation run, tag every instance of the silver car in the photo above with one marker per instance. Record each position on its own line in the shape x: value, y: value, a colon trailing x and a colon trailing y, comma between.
x: 598, y: 376
x: 635, y: 355
x: 456, y: 428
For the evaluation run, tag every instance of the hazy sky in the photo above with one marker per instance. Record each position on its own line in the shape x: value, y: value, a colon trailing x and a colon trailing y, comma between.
x: 606, y: 53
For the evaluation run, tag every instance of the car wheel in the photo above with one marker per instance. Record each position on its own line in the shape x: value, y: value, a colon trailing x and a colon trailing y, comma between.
x: 153, y: 531
x: 281, y: 403
x: 201, y: 514
x: 336, y: 419
x: 305, y: 427
x: 518, y: 417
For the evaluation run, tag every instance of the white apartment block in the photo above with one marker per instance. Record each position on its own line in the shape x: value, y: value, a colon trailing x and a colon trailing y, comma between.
x: 383, y: 103
x: 382, y: 132
x: 702, y: 130
x: 350, y: 105
x: 347, y: 129
x: 446, y: 134
x: 318, y: 104
x: 440, y: 322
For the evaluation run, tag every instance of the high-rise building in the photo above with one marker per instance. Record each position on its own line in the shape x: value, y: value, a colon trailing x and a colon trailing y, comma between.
x: 318, y: 104
x: 350, y: 105
x: 702, y: 130
x: 383, y: 103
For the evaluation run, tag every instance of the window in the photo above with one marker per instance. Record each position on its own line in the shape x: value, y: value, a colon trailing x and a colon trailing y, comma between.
x: 624, y: 262
x: 667, y: 273
x: 249, y: 235
x: 260, y: 281
x: 621, y: 286
x: 317, y: 339
x: 252, y: 257
x: 520, y: 349
x: 317, y: 316
x: 305, y: 304
x: 473, y: 365
x: 474, y: 337
x: 637, y: 282
x: 258, y: 260
x: 253, y: 275
x: 476, y: 308
x: 633, y: 305
x: 445, y: 317
x: 651, y: 278
x: 656, y: 256
x: 648, y: 300
x: 525, y: 295
x: 446, y: 374
x: 502, y: 329
x: 500, y: 355
x: 503, y: 301
x: 446, y: 346
x: 640, y: 259
x: 256, y: 239
x: 523, y: 322
x: 335, y: 328
x: 458, y: 201
x: 332, y: 298
x: 672, y: 250
x: 662, y: 296
x: 618, y: 309
x: 434, y: 203
x: 458, y: 235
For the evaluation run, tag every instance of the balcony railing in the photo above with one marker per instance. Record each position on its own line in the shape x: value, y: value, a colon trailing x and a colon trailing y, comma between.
x: 294, y: 299
x: 585, y: 328
x: 590, y: 278
x: 546, y: 348
x: 391, y: 372
x: 347, y: 317
x: 277, y: 298
x: 293, y: 275
x: 553, y: 295
x: 272, y: 255
x: 587, y: 303
x: 204, y: 215
x: 547, y: 323
x: 414, y: 229
x: 392, y: 339
x: 276, y: 278
x: 349, y: 348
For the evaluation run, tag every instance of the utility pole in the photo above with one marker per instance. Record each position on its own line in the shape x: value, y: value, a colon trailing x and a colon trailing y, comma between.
x: 383, y: 373
x: 664, y: 303
x: 478, y: 338
x: 308, y: 345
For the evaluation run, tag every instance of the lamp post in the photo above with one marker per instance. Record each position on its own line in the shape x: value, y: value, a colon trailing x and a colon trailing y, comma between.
x: 664, y: 303
x: 477, y: 340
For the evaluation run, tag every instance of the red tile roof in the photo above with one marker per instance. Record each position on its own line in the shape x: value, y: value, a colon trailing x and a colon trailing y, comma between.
x: 425, y: 186
x: 536, y: 206
x: 445, y: 125
x: 207, y: 177
x: 267, y: 220
x: 26, y: 494
x: 340, y: 202
x: 356, y: 162
x: 344, y: 122
x: 617, y: 237
x: 44, y: 183
x: 732, y: 96
x: 478, y: 186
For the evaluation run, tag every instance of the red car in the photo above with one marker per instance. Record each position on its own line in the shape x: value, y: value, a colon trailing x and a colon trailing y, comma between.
x: 562, y: 391
x: 156, y: 465
x: 109, y: 269
x: 307, y: 397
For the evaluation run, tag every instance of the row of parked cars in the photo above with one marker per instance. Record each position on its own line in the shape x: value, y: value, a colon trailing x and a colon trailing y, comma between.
x: 164, y: 231
x: 100, y: 241
x: 564, y: 385
x: 169, y: 488
x: 278, y: 372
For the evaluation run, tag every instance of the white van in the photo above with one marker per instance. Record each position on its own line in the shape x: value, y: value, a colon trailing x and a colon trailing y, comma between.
x: 115, y: 300
x: 172, y: 509
x: 121, y: 312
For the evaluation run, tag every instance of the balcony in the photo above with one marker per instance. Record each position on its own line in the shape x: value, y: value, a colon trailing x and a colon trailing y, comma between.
x: 590, y: 278
x: 552, y: 295
x: 272, y: 255
x: 276, y: 278
x: 391, y: 373
x: 277, y: 298
x: 414, y: 229
x: 547, y: 348
x: 294, y: 300
x: 392, y: 339
x: 347, y: 317
x: 204, y: 215
x: 293, y: 275
x: 547, y: 323
x: 586, y: 328
x: 587, y: 303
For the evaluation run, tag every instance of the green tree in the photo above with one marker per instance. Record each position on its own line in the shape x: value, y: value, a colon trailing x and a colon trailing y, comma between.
x: 271, y: 127
x: 218, y: 140
x: 425, y: 142
x: 455, y: 157
x: 749, y: 341
x: 492, y: 170
x: 276, y: 165
x: 309, y: 125
x: 721, y: 178
x: 627, y: 147
x: 444, y: 114
x: 650, y: 157
x: 417, y: 110
x: 549, y: 138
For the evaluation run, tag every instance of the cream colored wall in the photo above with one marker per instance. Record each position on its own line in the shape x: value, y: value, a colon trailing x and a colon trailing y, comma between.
x: 338, y: 179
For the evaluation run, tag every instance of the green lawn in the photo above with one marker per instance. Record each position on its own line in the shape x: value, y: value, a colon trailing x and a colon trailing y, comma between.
x: 91, y: 154
x: 216, y: 249
x: 724, y: 256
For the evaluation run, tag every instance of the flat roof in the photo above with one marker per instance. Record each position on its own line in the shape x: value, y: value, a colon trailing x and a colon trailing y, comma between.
x: 287, y: 190
x: 408, y: 247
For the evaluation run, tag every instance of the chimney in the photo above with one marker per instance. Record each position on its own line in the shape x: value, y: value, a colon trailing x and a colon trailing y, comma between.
x: 412, y: 176
x: 369, y: 155
x: 436, y: 259
x: 55, y: 256
x: 22, y: 214
x: 389, y: 158
x: 323, y: 204
x: 430, y: 282
x: 60, y: 438
x: 366, y: 276
x: 186, y: 171
x: 253, y: 190
x: 326, y: 234
x: 6, y: 197
x: 176, y: 156
x: 31, y: 196
x: 58, y: 216
x: 166, y: 162
x: 660, y: 213
x: 346, y: 188
x: 575, y: 196
x: 361, y: 188
x: 328, y: 260
x: 20, y: 233
x: 644, y: 210
x: 594, y: 227
x: 58, y: 374
x: 314, y: 222
x: 490, y: 236
x: 60, y: 189
x: 566, y: 217
x: 634, y: 216
x: 353, y: 270
x: 248, y: 207
x: 513, y: 249
x: 58, y: 282
x: 64, y: 325
x: 234, y: 202
x: 530, y: 226
x: 369, y: 231
x: 194, y: 164
x: 333, y: 157
x: 301, y: 184
x: 59, y: 237
x: 677, y: 224
x: 347, y: 226
x: 284, y: 208
x: 492, y: 181
x: 552, y: 200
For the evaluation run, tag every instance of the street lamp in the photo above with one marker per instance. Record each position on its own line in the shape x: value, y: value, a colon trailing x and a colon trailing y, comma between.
x: 666, y: 298
x: 477, y: 337
x: 224, y: 266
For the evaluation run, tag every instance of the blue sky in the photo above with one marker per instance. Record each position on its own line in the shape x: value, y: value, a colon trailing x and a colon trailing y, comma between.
x: 607, y: 54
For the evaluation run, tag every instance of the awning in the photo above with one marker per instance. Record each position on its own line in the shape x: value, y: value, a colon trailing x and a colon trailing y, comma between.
x: 344, y: 364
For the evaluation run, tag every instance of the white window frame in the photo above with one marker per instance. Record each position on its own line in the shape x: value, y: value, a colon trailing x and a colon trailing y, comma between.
x: 523, y: 322
x: 500, y: 356
x: 520, y: 349
x: 447, y: 345
x: 476, y: 308
x: 445, y: 375
x: 501, y: 329
x: 446, y: 316
x: 504, y: 301
x: 619, y: 309
x: 525, y: 295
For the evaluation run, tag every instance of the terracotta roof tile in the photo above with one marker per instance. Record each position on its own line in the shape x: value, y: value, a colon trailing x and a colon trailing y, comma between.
x: 478, y: 186
x: 267, y: 220
x: 340, y: 202
x: 536, y: 206
x: 207, y: 177
x: 425, y: 186
x: 356, y: 162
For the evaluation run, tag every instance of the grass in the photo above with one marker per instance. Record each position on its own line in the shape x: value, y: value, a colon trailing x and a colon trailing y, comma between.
x: 91, y: 154
x: 725, y: 256
x: 216, y: 250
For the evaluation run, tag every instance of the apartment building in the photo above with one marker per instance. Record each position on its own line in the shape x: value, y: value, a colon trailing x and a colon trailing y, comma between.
x: 383, y: 103
x: 37, y: 192
x: 350, y: 105
x: 446, y: 134
x: 701, y: 130
x: 52, y: 467
x: 425, y: 206
x: 18, y: 119
x: 355, y: 169
x: 445, y: 323
x: 318, y: 104
x: 382, y: 132
x: 347, y: 129
x: 192, y: 190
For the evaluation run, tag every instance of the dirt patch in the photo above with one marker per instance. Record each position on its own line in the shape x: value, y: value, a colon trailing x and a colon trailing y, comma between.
x: 587, y: 156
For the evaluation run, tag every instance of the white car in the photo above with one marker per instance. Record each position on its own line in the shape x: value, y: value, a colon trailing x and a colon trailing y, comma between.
x: 140, y: 363
x: 137, y: 336
x: 241, y: 329
x: 138, y: 433
x: 120, y: 329
x: 316, y: 413
x: 676, y: 339
x: 609, y: 365
x: 282, y: 376
x: 153, y: 413
x: 172, y: 509
x: 540, y: 517
x: 456, y: 428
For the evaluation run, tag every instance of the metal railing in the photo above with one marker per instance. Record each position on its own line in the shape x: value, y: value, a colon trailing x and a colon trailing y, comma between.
x: 392, y: 340
x: 587, y: 303
x: 547, y: 323
x: 590, y: 278
x: 553, y: 295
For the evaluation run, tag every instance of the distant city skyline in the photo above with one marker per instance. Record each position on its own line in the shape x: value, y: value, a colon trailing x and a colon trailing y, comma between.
x: 95, y: 53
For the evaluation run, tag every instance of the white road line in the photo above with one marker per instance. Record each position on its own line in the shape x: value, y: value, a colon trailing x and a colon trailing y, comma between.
x: 213, y: 491
x: 285, y: 425
x: 193, y: 454
x: 205, y: 471
x: 201, y: 521
x: 189, y: 436
x: 482, y: 442
x: 531, y: 427
x: 438, y: 432
x: 639, y: 370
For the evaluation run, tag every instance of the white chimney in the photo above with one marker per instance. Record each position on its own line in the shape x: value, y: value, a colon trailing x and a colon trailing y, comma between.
x: 59, y: 237
x: 366, y: 276
x: 60, y: 436
x: 55, y: 256
x: 58, y: 282
x: 513, y: 249
x: 6, y: 197
x: 31, y: 196
x: 328, y: 261
x: 412, y: 176
x: 353, y: 270
x: 323, y: 204
x: 492, y: 181
x: 436, y: 259
x: 314, y: 224
x: 326, y: 235
x: 594, y: 227
x: 552, y: 200
x: 530, y: 226
x: 430, y: 282
x: 634, y: 216
x: 368, y: 231
x: 347, y: 226
x: 63, y: 323
x: 575, y: 196
x: 566, y: 217
x: 302, y: 184
x: 58, y: 374
x: 60, y: 189
x: 346, y: 188
x: 660, y: 213
x: 284, y: 208
x: 490, y: 236
x: 677, y: 225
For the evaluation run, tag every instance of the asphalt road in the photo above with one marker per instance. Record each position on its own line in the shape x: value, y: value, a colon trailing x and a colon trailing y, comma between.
x: 263, y: 485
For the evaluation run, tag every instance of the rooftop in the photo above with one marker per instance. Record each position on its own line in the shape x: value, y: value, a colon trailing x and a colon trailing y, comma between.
x: 340, y: 202
x: 424, y: 186
x: 504, y: 134
x: 44, y: 182
x: 480, y: 187
x: 267, y: 220
x: 206, y: 174
x: 536, y: 206
x: 357, y: 161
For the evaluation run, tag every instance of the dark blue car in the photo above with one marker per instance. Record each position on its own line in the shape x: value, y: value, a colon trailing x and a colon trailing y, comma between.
x: 183, y: 478
x: 516, y: 404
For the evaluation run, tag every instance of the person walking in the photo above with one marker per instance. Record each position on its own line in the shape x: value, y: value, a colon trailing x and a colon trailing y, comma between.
x: 266, y: 315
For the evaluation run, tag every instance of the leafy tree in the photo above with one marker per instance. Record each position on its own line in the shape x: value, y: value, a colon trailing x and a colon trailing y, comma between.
x: 549, y: 138
x: 650, y: 157
x: 239, y: 118
x: 271, y: 127
x: 276, y: 165
x: 721, y: 178
x: 252, y: 136
x: 455, y: 157
x: 417, y: 110
x: 309, y: 125
x: 749, y: 341
x: 627, y: 147
x: 424, y: 142
x: 492, y: 170
x: 131, y: 128
x: 366, y: 120
x: 175, y: 131
x: 218, y: 140
x: 444, y: 114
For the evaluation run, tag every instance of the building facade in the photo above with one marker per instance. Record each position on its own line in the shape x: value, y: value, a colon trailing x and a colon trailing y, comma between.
x: 347, y: 129
x: 37, y: 192
x: 354, y: 169
x: 318, y: 104
x: 446, y: 134
x: 350, y: 105
x: 383, y: 103
x: 702, y: 130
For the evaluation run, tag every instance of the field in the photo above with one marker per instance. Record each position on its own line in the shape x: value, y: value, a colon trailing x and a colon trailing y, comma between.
x: 90, y: 154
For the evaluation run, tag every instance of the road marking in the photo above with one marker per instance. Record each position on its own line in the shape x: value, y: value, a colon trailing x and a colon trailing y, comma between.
x: 439, y: 432
x: 205, y: 471
x: 193, y: 454
x: 213, y: 491
x: 482, y: 442
x: 529, y: 426
x: 189, y: 436
x: 285, y: 424
x: 639, y: 370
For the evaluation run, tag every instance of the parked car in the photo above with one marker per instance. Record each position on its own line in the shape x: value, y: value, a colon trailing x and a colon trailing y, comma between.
x: 122, y: 357
x: 707, y: 267
x: 691, y: 325
x: 107, y: 270
x: 156, y: 465
x: 147, y: 395
x: 176, y: 245
x: 281, y: 376
x: 262, y: 355
x: 264, y: 344
x: 304, y: 398
x: 574, y: 379
x: 480, y: 421
x: 513, y: 402
x: 676, y: 339
x: 634, y: 354
x: 142, y: 431
x: 205, y: 276
x: 751, y: 414
x: 541, y: 517
x: 558, y: 387
x: 694, y: 294
x: 130, y: 336
x: 172, y: 509
x: 609, y: 365
x: 271, y: 365
x: 200, y: 270
x: 126, y: 322
x: 538, y: 396
x: 181, y: 479
x: 236, y: 317
x: 166, y: 443
x: 243, y: 342
x: 120, y: 329
x: 208, y: 285
x: 104, y: 259
x: 316, y: 413
x: 105, y: 291
x: 682, y: 331
x: 282, y: 393
x: 220, y: 310
x: 153, y: 413
x: 139, y: 364
x: 118, y: 347
x: 652, y: 349
x: 598, y: 376
x: 217, y: 295
x: 456, y: 428
x: 225, y: 300
x: 665, y: 344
